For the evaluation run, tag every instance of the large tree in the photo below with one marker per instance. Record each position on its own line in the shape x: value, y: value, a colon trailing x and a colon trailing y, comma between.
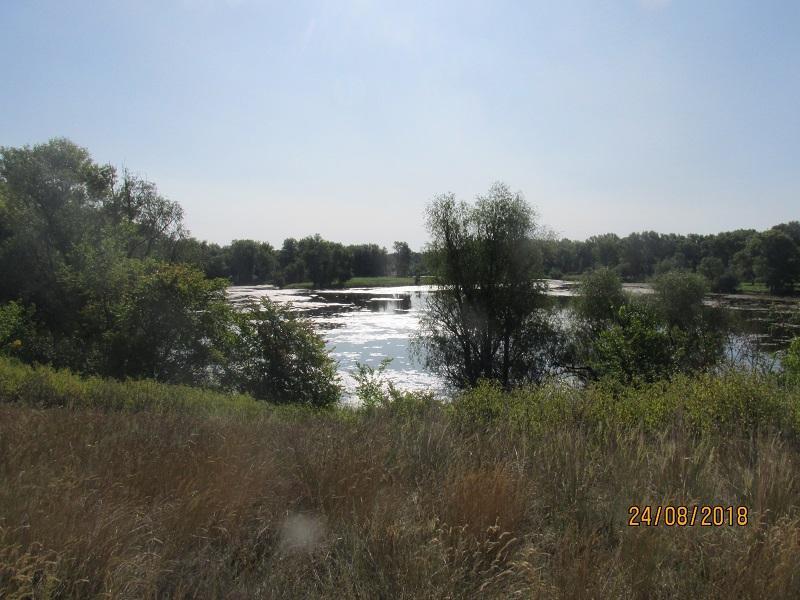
x: 402, y: 259
x: 485, y: 321
x: 777, y: 260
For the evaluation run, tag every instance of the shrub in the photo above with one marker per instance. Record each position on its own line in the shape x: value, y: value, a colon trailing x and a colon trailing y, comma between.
x: 679, y: 297
x: 169, y: 326
x: 275, y: 355
x: 600, y: 296
x: 791, y: 362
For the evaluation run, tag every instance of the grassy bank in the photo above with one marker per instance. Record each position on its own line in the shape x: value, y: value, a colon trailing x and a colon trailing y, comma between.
x: 356, y: 282
x: 139, y: 490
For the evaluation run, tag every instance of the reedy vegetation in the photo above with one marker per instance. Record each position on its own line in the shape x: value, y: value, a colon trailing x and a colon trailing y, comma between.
x: 135, y: 488
x: 127, y: 489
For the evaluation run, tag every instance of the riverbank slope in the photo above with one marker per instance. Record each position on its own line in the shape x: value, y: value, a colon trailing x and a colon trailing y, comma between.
x: 138, y: 489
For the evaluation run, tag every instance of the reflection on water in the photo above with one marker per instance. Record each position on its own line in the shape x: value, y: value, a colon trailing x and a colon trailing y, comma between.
x: 369, y: 324
x: 362, y: 325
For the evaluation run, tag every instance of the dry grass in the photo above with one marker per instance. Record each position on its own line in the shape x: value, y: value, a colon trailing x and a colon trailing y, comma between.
x: 384, y: 504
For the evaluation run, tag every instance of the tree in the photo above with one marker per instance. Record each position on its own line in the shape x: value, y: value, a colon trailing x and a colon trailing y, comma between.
x: 600, y: 297
x: 644, y: 338
x: 402, y: 259
x: 292, y: 268
x: 368, y: 260
x: 52, y: 195
x: 791, y: 362
x: 324, y: 261
x: 679, y: 297
x: 635, y: 347
x: 712, y: 268
x: 251, y: 262
x: 147, y: 218
x: 606, y: 249
x: 777, y: 261
x: 276, y: 356
x: 170, y: 325
x: 485, y: 321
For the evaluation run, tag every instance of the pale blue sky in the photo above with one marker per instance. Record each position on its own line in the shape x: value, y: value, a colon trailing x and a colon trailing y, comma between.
x: 274, y: 119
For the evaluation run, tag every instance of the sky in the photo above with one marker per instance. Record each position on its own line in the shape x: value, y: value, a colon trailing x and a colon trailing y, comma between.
x: 274, y: 119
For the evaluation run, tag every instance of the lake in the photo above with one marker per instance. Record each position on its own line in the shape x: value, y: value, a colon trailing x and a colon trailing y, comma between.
x: 367, y: 325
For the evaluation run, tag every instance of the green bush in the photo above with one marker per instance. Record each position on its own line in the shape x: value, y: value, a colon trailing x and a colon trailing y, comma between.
x: 600, y: 296
x: 46, y: 387
x: 275, y: 355
x: 169, y: 325
x: 733, y: 402
x: 791, y: 362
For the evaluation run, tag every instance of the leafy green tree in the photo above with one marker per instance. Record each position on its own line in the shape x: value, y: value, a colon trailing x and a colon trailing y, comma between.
x: 792, y: 229
x: 171, y: 325
x: 19, y: 335
x: 151, y: 223
x: 605, y: 249
x: 679, y: 297
x: 711, y: 268
x: 368, y: 260
x: 402, y: 259
x: 52, y: 196
x: 791, y: 362
x: 600, y: 297
x: 635, y: 348
x: 251, y: 262
x: 210, y: 258
x: 743, y: 264
x: 290, y: 263
x: 718, y: 277
x: 485, y: 321
x: 777, y: 261
x: 325, y: 262
x: 276, y: 355
x: 648, y: 337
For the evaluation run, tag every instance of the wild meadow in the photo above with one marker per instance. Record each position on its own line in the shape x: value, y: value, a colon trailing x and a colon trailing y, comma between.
x: 144, y: 490
x: 158, y: 441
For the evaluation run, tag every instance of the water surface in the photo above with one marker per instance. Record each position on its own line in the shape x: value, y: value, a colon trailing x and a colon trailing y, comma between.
x: 367, y: 325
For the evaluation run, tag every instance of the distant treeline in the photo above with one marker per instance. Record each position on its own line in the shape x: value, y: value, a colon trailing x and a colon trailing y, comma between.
x: 725, y: 259
x: 310, y: 259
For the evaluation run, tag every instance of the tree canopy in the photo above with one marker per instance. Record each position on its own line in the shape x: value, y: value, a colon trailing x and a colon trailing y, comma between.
x: 484, y: 322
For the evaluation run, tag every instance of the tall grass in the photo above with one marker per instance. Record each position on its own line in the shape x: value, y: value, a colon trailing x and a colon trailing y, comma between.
x: 491, y: 496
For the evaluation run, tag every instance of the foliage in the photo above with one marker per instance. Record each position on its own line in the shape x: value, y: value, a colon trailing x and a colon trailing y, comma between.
x: 46, y: 387
x: 17, y: 330
x: 719, y: 278
x: 371, y: 384
x: 275, y: 355
x: 679, y: 297
x: 167, y: 491
x: 368, y: 260
x: 170, y: 325
x: 92, y: 279
x: 724, y: 259
x: 778, y: 261
x: 325, y: 262
x: 635, y: 347
x: 402, y: 255
x: 486, y: 320
x: 730, y: 403
x: 600, y: 296
x: 249, y: 261
x: 646, y: 338
x: 148, y: 219
x: 791, y: 362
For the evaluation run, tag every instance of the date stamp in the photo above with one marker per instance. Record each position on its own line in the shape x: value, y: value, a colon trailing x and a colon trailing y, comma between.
x: 687, y: 516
